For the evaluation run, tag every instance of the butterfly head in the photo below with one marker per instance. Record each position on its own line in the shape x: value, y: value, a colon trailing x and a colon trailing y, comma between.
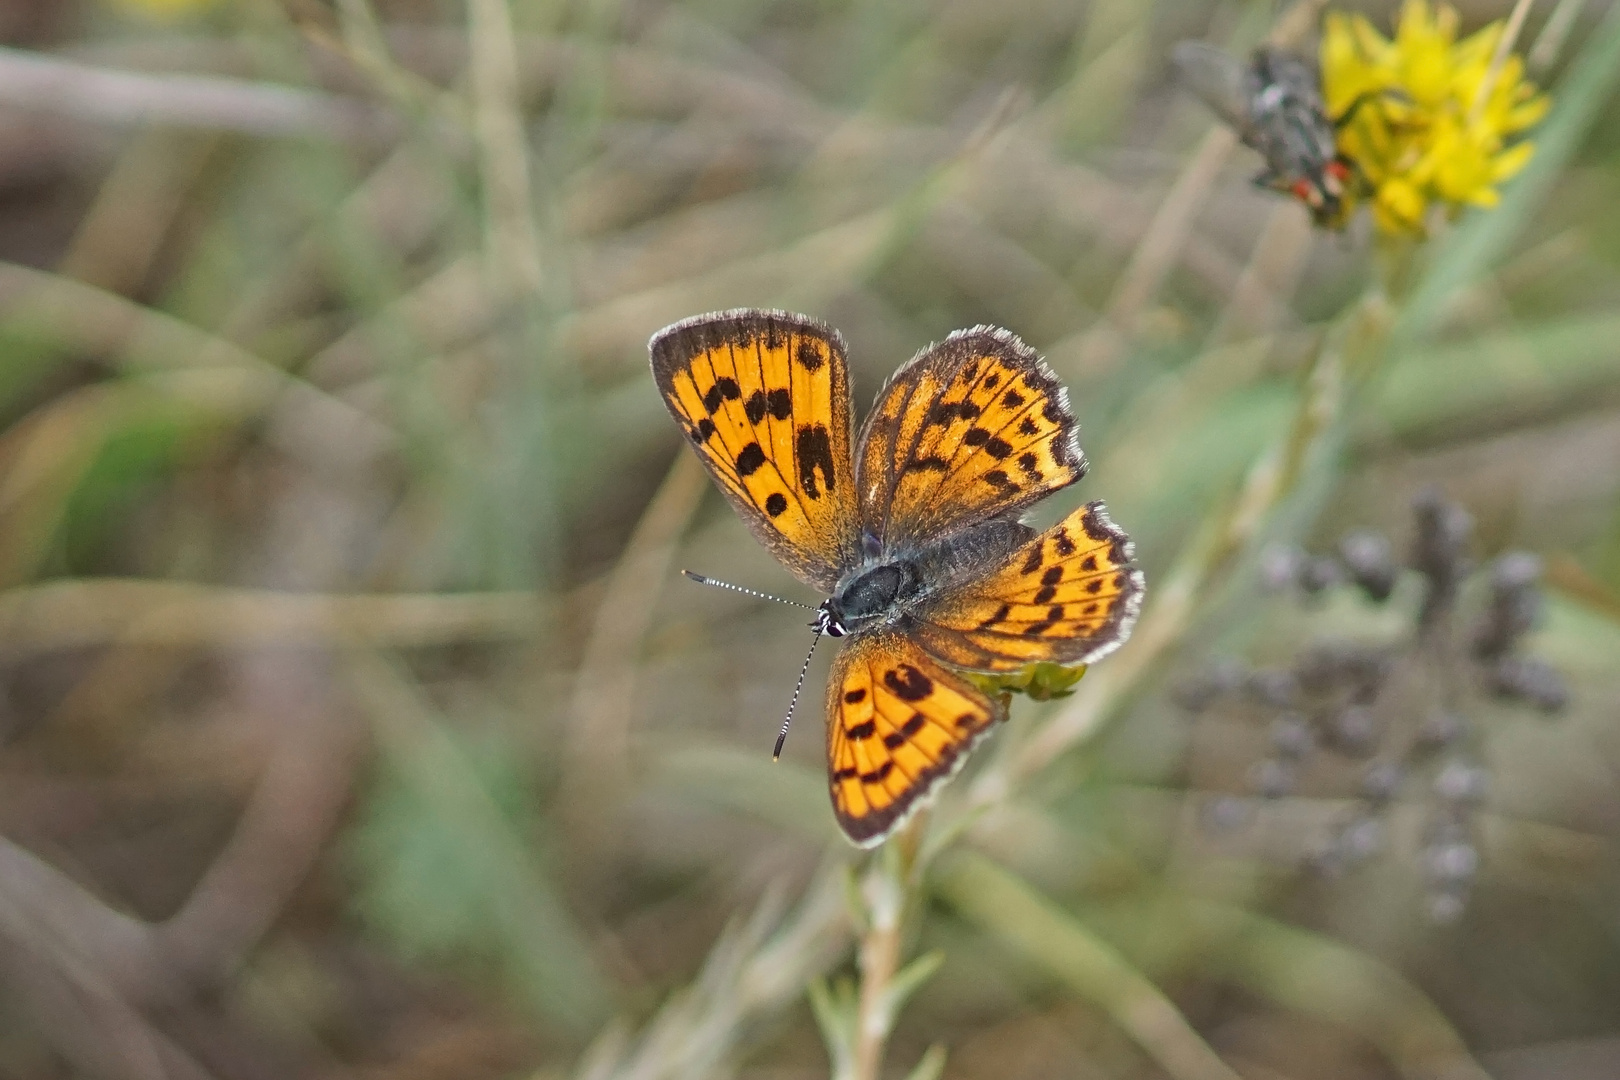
x: 827, y: 620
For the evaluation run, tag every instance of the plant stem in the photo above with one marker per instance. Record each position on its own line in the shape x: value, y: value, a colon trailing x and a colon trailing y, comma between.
x: 887, y: 889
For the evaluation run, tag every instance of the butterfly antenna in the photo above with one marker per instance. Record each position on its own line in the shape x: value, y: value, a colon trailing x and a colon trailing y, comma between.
x: 701, y: 580
x: 776, y: 755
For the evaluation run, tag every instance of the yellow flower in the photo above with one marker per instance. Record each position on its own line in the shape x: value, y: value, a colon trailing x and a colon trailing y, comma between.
x: 1427, y: 120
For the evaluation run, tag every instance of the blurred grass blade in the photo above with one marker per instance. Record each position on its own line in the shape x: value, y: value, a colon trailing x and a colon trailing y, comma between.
x: 755, y: 969
x: 835, y: 1006
x: 931, y: 1066
x: 1475, y: 247
x: 1049, y: 937
x: 1486, y: 381
x: 783, y: 793
x: 909, y: 979
x: 1316, y: 975
x: 449, y: 825
x: 79, y: 613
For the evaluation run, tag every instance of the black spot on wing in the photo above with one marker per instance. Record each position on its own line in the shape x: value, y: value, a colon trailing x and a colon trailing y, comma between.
x: 780, y: 404
x: 1001, y: 613
x: 1027, y: 426
x: 1033, y: 563
x: 754, y: 407
x: 809, y: 356
x: 861, y: 732
x: 855, y: 696
x: 1052, y: 576
x: 749, y: 459
x: 814, y: 448
x: 775, y: 504
x: 879, y: 774
x: 907, y: 683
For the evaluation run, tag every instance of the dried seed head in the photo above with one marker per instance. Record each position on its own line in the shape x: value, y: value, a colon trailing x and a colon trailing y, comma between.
x: 1514, y: 607
x: 1279, y: 567
x: 1530, y: 680
x: 1355, y: 729
x: 1382, y: 780
x: 1292, y: 737
x: 1440, y: 728
x: 1223, y: 813
x: 1276, y: 687
x: 1447, y: 906
x: 1462, y: 784
x: 1361, y: 839
x: 1320, y: 572
x: 1451, y: 864
x: 1220, y: 677
x: 1272, y: 778
x: 1443, y: 529
x: 1370, y: 559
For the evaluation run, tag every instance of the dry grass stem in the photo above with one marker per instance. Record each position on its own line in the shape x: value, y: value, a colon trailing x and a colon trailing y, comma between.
x: 76, y: 614
x: 39, y: 83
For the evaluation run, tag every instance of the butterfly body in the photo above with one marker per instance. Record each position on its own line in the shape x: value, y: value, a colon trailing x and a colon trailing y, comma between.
x: 890, y: 588
x: 911, y: 530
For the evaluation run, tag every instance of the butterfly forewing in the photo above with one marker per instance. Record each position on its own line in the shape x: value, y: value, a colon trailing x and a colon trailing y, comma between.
x: 898, y: 726
x: 764, y: 398
x: 971, y: 428
x: 1069, y: 596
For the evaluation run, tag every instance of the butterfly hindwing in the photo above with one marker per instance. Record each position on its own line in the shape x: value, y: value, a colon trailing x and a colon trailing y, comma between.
x: 1068, y: 596
x: 898, y: 725
x: 971, y: 428
x: 764, y: 398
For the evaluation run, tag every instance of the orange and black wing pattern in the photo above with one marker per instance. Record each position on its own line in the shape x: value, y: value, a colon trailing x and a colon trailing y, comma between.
x: 972, y: 427
x: 1068, y: 596
x: 898, y: 726
x: 764, y: 398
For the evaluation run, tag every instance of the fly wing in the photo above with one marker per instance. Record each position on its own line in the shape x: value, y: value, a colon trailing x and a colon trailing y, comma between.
x: 1219, y: 79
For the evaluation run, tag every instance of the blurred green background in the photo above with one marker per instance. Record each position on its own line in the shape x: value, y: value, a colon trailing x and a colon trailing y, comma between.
x: 356, y: 721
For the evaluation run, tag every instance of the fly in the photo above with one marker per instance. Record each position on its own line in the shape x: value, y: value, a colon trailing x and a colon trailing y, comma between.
x: 1275, y: 105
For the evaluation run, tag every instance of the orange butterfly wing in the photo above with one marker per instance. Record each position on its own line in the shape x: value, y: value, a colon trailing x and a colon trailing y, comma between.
x: 1069, y: 596
x: 764, y: 398
x: 970, y: 428
x: 898, y: 726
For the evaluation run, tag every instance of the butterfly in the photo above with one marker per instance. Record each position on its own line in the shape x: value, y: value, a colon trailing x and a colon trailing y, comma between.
x: 911, y: 531
x: 1275, y: 104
